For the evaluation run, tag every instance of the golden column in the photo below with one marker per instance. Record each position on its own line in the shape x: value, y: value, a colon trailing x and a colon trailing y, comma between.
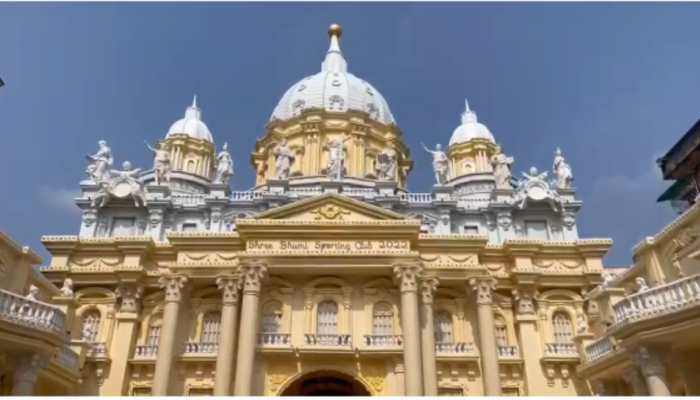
x: 124, y: 338
x: 652, y: 366
x: 253, y: 275
x: 407, y: 277
x: 229, y: 286
x: 173, y: 285
x: 483, y: 288
x: 428, y: 287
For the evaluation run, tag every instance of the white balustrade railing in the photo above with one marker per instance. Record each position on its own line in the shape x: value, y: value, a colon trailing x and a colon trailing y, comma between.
x: 560, y: 350
x: 659, y: 300
x: 599, y: 348
x: 96, y: 349
x: 454, y: 348
x: 274, y: 340
x: 383, y: 341
x: 306, y: 191
x: 191, y: 200
x: 146, y: 351
x: 68, y: 359
x: 248, y: 195
x: 507, y: 352
x: 328, y: 340
x: 201, y: 347
x: 417, y: 198
x: 359, y: 192
x: 31, y: 313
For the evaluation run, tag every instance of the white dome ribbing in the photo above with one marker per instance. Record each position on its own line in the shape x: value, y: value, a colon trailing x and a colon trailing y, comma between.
x: 333, y: 89
x: 470, y: 128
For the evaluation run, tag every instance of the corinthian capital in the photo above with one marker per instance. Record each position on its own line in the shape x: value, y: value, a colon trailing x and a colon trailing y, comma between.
x: 483, y: 289
x: 407, y: 276
x: 129, y: 295
x: 253, y: 274
x: 525, y: 301
x: 229, y: 286
x: 173, y: 285
x: 428, y: 286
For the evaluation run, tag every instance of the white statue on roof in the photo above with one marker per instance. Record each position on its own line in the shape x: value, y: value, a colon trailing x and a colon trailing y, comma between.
x: 121, y: 184
x: 336, y: 157
x: 161, y: 162
x: 501, y: 170
x: 386, y: 165
x: 440, y: 163
x: 562, y: 171
x: 284, y: 158
x: 224, y: 166
x: 100, y: 163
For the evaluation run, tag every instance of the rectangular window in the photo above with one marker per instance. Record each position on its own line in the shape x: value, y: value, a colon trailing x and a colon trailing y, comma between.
x: 141, y: 391
x: 189, y: 227
x: 471, y: 229
x: 536, y: 230
x: 200, y: 392
x: 123, y: 226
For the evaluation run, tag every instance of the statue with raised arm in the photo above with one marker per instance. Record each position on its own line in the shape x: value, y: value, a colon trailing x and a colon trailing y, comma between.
x: 385, y: 165
x: 100, y: 163
x: 224, y: 166
x: 562, y: 171
x: 284, y: 159
x: 161, y: 162
x: 336, y: 157
x: 501, y: 170
x: 440, y: 163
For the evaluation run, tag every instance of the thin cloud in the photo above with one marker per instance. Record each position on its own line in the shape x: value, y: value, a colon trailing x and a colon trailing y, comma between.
x: 60, y: 199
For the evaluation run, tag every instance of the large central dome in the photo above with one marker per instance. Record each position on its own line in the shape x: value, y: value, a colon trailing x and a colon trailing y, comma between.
x: 333, y: 89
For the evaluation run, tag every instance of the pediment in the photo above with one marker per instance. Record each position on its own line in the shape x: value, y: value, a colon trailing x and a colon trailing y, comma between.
x: 329, y: 207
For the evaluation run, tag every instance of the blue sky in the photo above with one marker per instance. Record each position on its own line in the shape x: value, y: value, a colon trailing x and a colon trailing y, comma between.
x: 615, y: 85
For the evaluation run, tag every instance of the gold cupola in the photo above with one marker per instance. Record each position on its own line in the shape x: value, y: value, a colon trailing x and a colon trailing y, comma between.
x: 470, y: 149
x: 190, y: 144
x: 330, y: 106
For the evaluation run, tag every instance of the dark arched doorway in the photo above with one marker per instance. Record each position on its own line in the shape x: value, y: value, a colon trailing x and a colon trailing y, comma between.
x: 326, y: 383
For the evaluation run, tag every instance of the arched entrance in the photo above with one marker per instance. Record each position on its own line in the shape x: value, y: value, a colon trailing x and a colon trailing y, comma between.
x: 326, y: 383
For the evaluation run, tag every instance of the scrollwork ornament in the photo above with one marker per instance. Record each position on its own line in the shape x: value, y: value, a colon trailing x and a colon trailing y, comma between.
x: 525, y: 301
x: 173, y: 286
x: 428, y: 287
x: 129, y: 296
x: 483, y: 288
x: 253, y: 274
x: 407, y: 276
x: 230, y: 287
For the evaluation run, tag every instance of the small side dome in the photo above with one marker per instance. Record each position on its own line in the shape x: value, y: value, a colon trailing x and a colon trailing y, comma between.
x: 192, y: 125
x: 470, y: 128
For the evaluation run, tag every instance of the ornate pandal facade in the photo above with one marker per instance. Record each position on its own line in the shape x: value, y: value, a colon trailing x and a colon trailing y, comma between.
x: 329, y: 277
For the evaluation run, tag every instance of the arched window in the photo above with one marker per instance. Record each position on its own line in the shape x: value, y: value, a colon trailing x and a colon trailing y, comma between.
x: 153, y: 335
x: 383, y: 319
x: 90, y: 326
x: 443, y: 327
x: 562, y: 328
x: 272, y: 317
x: 210, y: 327
x: 501, y: 329
x: 327, y: 322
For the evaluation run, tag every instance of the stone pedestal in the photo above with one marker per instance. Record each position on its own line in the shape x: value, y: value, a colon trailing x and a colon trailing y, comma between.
x: 331, y: 186
x: 219, y: 190
x: 442, y: 192
x: 386, y: 188
x: 157, y: 192
x: 277, y: 186
x: 67, y: 304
